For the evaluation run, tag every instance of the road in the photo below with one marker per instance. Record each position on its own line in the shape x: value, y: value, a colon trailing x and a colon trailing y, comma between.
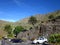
x: 23, y: 43
x: 28, y: 44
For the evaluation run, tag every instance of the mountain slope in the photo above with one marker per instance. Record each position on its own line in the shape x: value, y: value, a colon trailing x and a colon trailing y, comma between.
x: 44, y: 29
x: 44, y: 17
x: 24, y: 22
x: 2, y: 24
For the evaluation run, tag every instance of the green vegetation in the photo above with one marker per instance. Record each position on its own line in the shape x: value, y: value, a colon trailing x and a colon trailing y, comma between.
x: 26, y: 23
x: 58, y: 17
x: 11, y: 35
x: 54, y: 38
x: 32, y: 20
x: 8, y: 29
x: 51, y: 16
x: 17, y: 30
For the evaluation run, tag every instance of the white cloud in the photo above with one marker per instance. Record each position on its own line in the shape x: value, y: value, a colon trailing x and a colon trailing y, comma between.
x: 19, y: 2
x: 10, y: 20
x: 5, y: 16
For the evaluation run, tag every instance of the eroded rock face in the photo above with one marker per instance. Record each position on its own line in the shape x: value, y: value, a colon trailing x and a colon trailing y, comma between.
x: 29, y: 35
x: 43, y: 29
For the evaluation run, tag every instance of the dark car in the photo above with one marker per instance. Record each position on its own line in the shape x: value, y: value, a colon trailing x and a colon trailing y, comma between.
x: 16, y: 40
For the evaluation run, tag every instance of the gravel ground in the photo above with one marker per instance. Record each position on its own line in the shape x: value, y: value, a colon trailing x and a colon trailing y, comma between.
x: 0, y: 42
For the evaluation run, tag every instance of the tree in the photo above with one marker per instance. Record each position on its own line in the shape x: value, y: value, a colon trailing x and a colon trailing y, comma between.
x: 32, y: 20
x: 58, y: 17
x: 51, y: 17
x: 8, y: 29
x: 17, y: 30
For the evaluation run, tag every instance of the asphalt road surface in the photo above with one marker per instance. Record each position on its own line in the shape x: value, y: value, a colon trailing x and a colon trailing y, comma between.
x: 29, y: 44
x: 23, y: 43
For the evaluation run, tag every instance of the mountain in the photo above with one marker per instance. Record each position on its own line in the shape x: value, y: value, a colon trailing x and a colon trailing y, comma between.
x: 48, y: 27
x: 2, y: 24
x: 40, y: 17
x: 24, y: 22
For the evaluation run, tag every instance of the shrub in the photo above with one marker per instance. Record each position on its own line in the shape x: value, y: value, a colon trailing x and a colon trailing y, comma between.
x: 32, y: 20
x: 10, y: 36
x: 32, y: 39
x: 0, y: 37
x: 8, y: 29
x: 17, y: 30
x: 50, y: 17
x: 24, y: 39
x: 54, y: 38
x: 58, y: 17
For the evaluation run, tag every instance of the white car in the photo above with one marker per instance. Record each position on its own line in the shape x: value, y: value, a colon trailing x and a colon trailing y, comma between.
x: 40, y: 40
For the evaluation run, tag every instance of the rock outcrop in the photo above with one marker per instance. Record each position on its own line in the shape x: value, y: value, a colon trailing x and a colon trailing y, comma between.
x: 44, y: 29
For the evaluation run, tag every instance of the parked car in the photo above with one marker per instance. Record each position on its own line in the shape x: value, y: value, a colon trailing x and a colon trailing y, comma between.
x: 40, y: 40
x: 16, y: 40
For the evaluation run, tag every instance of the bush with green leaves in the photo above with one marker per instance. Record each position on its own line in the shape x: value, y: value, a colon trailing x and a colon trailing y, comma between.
x: 51, y: 17
x: 17, y: 30
x: 54, y: 38
x: 8, y: 29
x: 10, y: 35
x: 58, y: 17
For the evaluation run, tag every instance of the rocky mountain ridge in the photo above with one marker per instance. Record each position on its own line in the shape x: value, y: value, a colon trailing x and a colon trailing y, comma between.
x: 25, y: 24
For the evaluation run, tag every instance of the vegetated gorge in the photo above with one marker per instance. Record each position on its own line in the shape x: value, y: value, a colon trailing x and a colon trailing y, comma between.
x: 47, y: 25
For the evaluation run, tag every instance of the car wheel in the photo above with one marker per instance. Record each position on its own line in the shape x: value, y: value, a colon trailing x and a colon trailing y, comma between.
x: 45, y: 42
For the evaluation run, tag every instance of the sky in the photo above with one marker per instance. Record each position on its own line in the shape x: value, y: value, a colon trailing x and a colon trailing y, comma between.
x: 14, y: 10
